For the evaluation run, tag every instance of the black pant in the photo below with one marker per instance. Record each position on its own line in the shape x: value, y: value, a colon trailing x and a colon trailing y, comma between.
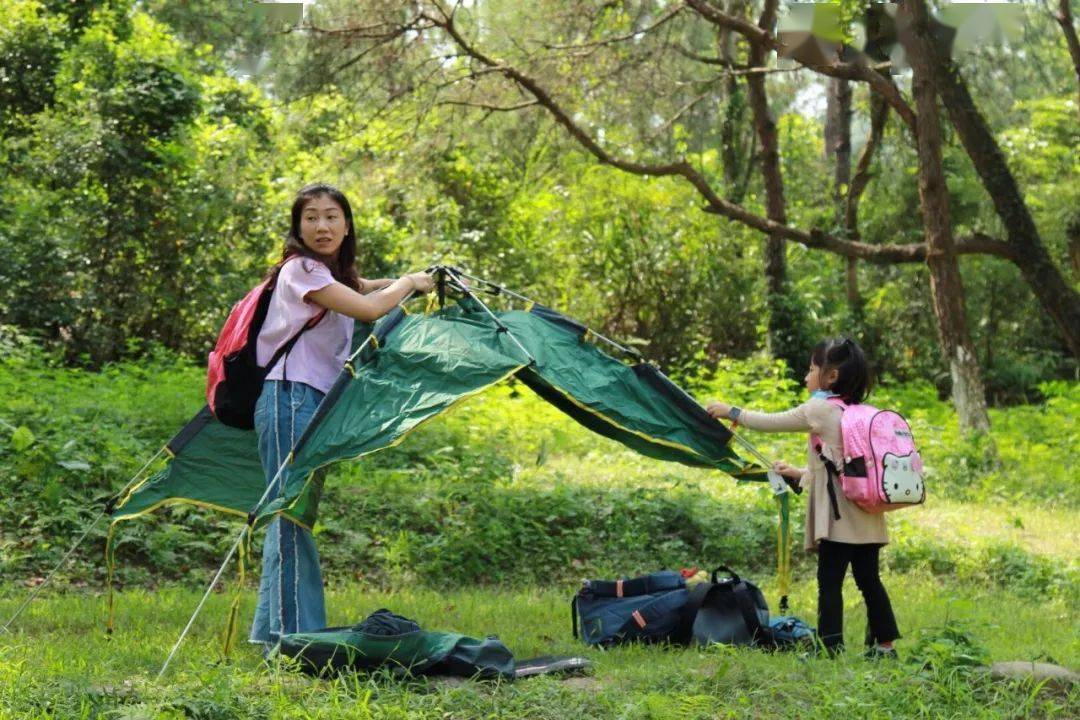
x: 833, y: 560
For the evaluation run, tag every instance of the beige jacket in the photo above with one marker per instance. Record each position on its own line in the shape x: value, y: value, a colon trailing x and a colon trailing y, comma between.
x: 819, y: 417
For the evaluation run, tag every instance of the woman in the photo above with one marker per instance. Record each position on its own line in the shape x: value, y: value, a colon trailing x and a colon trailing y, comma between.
x: 317, y: 282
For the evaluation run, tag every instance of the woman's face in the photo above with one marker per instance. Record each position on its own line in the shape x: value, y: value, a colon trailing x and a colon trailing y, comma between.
x: 322, y: 225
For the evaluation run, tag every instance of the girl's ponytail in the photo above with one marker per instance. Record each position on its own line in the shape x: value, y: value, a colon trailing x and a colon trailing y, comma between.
x: 846, y: 357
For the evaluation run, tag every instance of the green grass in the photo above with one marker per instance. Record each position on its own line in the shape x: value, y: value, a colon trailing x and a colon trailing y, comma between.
x: 59, y: 664
x: 483, y: 522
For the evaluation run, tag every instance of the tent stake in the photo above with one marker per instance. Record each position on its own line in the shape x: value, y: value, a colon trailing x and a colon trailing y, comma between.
x: 75, y: 546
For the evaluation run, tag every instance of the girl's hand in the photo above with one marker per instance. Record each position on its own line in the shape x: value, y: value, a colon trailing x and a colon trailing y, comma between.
x: 422, y: 282
x: 788, y: 471
x: 718, y: 410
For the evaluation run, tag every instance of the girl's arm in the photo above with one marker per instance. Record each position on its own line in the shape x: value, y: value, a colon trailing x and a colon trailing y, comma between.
x: 793, y: 420
x: 342, y: 299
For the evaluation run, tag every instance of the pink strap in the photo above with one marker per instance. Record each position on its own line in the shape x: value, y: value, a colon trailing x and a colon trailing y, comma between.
x: 638, y: 619
x: 618, y: 588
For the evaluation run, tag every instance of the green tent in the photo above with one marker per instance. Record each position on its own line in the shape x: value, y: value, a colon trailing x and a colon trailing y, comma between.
x: 410, y: 368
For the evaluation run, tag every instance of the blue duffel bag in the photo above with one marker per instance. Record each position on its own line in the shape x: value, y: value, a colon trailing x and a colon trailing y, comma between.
x: 645, y: 609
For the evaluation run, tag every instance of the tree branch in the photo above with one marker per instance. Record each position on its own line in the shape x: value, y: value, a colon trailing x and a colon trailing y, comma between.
x: 707, y: 60
x: 761, y: 38
x: 675, y: 10
x: 492, y: 108
x: 875, y: 79
x: 750, y: 31
x: 815, y: 239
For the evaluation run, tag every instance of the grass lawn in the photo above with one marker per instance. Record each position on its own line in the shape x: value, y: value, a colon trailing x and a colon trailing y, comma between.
x: 60, y: 664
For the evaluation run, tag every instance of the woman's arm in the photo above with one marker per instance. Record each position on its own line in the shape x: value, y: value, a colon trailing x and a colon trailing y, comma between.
x: 369, y: 286
x: 368, y: 308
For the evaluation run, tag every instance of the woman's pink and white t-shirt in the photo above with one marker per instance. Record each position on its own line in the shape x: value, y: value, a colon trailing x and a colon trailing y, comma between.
x: 321, y: 352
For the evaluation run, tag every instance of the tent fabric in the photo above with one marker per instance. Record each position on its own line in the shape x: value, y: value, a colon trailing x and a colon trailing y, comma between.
x: 414, y: 368
x: 387, y: 640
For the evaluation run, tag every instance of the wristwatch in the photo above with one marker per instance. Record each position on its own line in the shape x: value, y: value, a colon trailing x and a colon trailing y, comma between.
x: 733, y: 413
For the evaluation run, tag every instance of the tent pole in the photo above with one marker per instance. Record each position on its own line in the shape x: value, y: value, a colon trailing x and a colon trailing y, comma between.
x: 498, y: 322
x: 213, y: 583
x: 629, y: 351
x: 217, y: 575
x: 71, y: 551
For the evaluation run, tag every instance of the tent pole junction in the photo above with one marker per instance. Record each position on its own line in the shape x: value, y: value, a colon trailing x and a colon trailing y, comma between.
x: 445, y: 270
x: 502, y: 290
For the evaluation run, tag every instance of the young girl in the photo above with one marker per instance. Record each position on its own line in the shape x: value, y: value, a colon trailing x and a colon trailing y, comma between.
x: 316, y: 278
x: 837, y: 369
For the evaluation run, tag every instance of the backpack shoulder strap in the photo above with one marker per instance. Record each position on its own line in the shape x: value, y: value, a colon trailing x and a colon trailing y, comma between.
x: 284, y: 349
x: 697, y: 596
x: 833, y: 473
x: 745, y: 601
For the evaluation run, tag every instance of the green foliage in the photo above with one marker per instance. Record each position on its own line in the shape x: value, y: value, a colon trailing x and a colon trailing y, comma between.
x: 122, y: 202
x: 31, y: 43
x: 145, y: 186
x: 505, y: 490
x: 947, y: 648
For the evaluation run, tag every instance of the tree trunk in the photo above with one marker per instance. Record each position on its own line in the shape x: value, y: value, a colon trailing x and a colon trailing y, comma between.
x: 1057, y: 297
x: 1064, y: 18
x: 785, y: 321
x: 732, y: 118
x: 838, y: 147
x: 946, y: 286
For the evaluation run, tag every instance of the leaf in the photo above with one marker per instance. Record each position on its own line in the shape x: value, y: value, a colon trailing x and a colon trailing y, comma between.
x: 74, y: 464
x: 22, y: 438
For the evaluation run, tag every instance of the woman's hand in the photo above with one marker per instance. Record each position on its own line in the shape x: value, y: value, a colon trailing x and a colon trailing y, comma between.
x: 421, y: 282
x: 788, y: 471
x: 718, y: 410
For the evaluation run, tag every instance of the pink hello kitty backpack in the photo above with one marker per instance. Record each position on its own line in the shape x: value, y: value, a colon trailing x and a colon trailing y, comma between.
x: 882, y: 469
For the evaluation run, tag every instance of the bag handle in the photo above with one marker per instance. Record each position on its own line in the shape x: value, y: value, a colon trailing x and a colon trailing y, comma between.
x: 730, y: 573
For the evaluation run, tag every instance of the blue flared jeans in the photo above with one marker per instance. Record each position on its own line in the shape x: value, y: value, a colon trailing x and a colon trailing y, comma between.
x: 290, y: 587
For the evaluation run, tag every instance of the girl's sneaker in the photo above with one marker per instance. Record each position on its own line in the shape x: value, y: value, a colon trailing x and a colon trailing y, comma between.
x: 879, y: 653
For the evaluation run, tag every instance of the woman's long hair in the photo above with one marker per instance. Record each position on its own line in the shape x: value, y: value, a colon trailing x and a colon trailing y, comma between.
x: 344, y: 270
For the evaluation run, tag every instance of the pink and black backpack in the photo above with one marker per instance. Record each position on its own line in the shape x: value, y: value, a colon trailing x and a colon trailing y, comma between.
x: 234, y: 378
x: 882, y: 470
